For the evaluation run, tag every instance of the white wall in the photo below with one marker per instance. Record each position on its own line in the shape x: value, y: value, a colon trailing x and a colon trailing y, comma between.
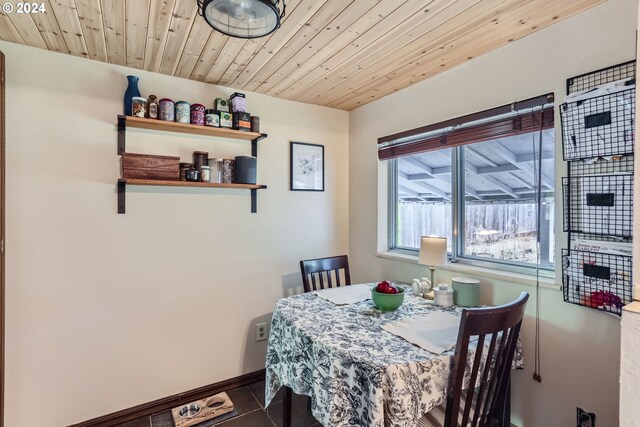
x: 630, y: 366
x: 579, y: 347
x: 107, y: 311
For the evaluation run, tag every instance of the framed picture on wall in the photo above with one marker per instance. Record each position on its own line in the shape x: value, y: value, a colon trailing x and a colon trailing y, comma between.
x: 307, y: 167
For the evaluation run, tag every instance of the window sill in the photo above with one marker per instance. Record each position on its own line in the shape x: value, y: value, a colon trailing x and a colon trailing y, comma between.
x: 488, y: 273
x: 634, y: 307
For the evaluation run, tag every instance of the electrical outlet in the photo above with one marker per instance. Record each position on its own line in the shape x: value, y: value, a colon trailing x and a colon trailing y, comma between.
x: 261, y: 331
x: 584, y: 418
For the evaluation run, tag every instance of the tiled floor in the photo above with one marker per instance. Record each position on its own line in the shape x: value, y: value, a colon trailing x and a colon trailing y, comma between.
x: 249, y: 402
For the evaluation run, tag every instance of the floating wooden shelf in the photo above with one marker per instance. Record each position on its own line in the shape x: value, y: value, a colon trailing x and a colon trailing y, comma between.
x: 160, y: 125
x: 137, y: 122
x: 192, y: 184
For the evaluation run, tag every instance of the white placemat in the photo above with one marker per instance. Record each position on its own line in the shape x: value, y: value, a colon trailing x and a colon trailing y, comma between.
x: 436, y: 332
x: 345, y: 294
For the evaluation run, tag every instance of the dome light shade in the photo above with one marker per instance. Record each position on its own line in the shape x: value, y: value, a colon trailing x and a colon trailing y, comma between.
x: 246, y: 19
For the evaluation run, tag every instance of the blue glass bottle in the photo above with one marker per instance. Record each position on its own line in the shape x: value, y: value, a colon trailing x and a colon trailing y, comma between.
x: 132, y: 90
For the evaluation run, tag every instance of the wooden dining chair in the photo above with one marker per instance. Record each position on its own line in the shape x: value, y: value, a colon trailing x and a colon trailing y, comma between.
x: 486, y: 405
x: 317, y: 273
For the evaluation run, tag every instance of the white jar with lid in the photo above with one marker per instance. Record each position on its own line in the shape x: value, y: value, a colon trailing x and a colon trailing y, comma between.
x: 443, y: 295
x: 204, y: 173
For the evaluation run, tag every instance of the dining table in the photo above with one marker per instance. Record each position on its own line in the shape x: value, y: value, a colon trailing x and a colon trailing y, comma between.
x: 355, y: 372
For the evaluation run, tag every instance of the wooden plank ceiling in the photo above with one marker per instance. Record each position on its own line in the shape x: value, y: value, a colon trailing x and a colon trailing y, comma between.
x: 336, y: 53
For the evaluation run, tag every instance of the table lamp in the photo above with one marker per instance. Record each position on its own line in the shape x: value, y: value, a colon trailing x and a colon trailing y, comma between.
x: 433, y: 251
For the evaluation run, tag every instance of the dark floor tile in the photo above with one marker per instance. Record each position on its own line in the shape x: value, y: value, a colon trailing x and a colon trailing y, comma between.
x: 140, y: 422
x: 252, y: 419
x: 258, y: 391
x: 299, y: 415
x: 243, y: 400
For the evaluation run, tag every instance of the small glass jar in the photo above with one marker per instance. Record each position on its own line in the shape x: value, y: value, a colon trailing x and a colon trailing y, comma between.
x: 215, y: 170
x: 139, y: 106
x: 183, y: 112
x: 204, y: 174
x: 184, y: 167
x: 167, y: 110
x: 193, y: 175
x: 197, y: 114
x: 152, y: 107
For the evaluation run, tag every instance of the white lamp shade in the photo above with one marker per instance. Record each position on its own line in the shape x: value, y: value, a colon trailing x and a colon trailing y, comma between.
x: 433, y: 251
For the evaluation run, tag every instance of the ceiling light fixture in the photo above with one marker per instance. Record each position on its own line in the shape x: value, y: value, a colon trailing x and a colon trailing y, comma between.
x: 245, y: 19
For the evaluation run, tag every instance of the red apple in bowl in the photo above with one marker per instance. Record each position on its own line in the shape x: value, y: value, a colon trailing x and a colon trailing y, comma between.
x: 391, y: 290
x: 382, y: 286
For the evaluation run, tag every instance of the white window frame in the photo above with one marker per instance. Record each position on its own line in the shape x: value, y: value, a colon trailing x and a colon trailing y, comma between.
x: 389, y: 174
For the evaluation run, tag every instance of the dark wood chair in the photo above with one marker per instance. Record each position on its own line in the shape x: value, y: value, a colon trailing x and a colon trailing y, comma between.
x: 317, y: 273
x: 488, y: 404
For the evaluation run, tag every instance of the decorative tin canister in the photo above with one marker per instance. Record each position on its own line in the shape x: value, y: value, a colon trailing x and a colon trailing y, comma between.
x: 466, y: 291
x: 221, y: 105
x: 212, y: 118
x: 197, y: 114
x: 238, y: 102
x: 139, y: 106
x: 152, y: 107
x: 183, y: 112
x: 228, y: 171
x: 200, y: 159
x: 255, y: 124
x: 226, y: 120
x: 167, y: 109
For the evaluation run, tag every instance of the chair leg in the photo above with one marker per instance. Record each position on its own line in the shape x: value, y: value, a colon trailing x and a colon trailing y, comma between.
x: 309, y: 405
x: 503, y: 410
x: 507, y: 405
x: 286, y: 407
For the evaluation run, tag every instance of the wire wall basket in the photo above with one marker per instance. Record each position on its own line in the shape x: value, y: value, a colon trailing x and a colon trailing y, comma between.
x: 599, y: 204
x: 597, y: 280
x: 598, y: 136
x: 587, y: 81
x: 600, y: 126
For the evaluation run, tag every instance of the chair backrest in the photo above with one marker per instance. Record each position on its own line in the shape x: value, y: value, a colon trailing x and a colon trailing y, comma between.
x: 500, y: 327
x: 317, y: 273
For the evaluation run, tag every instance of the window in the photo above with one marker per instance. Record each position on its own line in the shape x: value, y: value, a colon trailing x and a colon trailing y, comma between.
x: 481, y: 193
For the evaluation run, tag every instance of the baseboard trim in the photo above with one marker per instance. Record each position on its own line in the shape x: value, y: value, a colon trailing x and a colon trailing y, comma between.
x: 164, y: 404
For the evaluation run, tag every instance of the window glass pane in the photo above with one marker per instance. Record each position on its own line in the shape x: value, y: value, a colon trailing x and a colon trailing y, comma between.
x: 423, y: 204
x: 500, y: 211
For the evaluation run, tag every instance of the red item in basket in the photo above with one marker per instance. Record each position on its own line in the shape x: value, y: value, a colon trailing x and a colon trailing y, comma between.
x: 601, y: 298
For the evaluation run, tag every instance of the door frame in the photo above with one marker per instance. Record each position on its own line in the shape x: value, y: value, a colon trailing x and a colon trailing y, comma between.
x: 2, y: 232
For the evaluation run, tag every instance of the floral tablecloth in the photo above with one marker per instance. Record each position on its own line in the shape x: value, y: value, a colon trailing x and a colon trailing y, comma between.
x: 356, y: 373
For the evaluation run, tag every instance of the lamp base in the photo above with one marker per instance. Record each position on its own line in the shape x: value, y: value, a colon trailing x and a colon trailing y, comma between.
x: 433, y: 283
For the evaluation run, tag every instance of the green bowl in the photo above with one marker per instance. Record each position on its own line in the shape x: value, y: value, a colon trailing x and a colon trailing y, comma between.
x: 387, y: 302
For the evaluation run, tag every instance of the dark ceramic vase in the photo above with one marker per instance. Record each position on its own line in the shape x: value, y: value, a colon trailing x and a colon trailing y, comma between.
x: 132, y: 90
